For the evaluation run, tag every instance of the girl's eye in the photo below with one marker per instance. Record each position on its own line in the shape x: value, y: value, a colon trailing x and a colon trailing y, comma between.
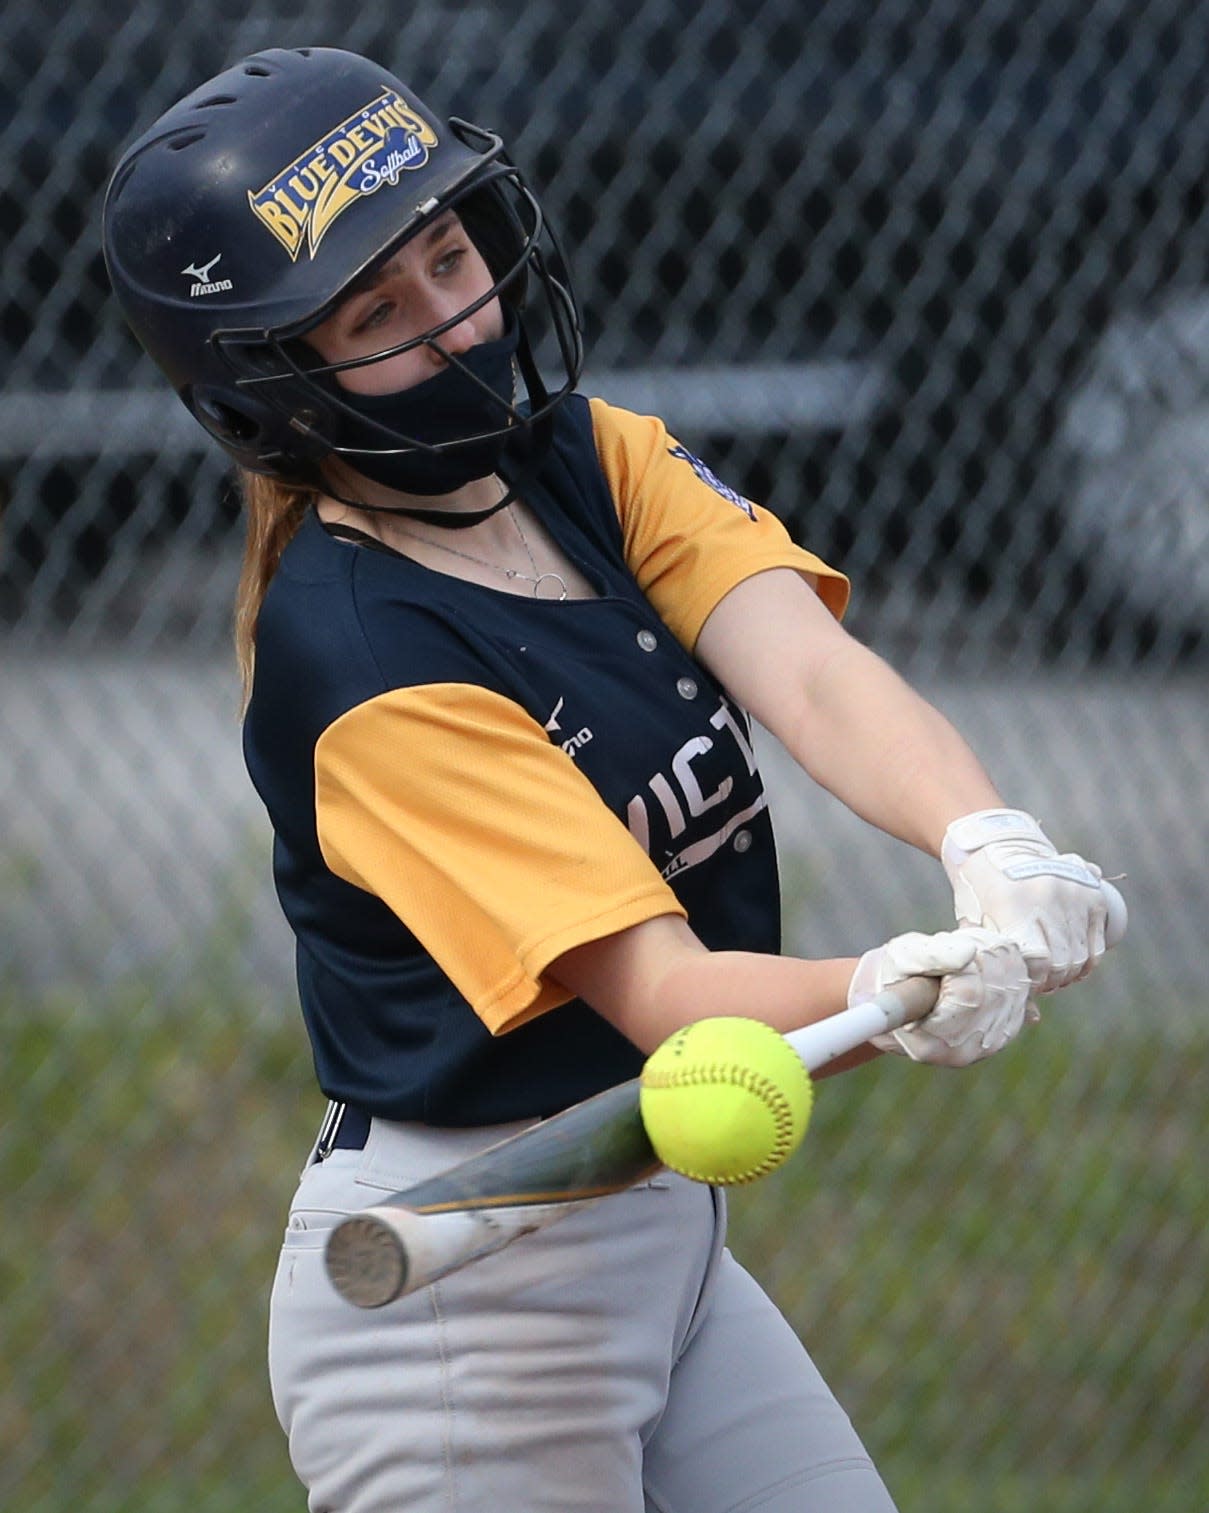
x: 376, y: 317
x: 449, y: 259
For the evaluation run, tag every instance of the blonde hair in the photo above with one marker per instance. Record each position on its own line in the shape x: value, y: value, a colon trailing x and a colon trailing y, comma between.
x: 273, y: 511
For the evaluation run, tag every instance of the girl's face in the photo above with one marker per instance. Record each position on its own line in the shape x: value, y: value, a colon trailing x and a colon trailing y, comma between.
x: 430, y: 279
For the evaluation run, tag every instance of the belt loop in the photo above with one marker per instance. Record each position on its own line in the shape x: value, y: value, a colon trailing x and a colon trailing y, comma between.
x: 329, y: 1129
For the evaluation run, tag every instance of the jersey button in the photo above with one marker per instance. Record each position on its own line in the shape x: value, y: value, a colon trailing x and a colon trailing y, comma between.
x: 686, y: 688
x: 647, y: 640
x: 742, y: 841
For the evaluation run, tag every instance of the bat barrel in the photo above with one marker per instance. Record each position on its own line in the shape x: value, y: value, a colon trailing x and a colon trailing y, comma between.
x: 366, y: 1260
x: 383, y: 1253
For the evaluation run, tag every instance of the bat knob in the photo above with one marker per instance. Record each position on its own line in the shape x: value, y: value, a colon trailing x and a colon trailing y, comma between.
x: 1118, y: 915
x: 365, y: 1261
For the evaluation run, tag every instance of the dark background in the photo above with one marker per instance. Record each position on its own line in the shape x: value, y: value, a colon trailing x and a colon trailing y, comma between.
x: 970, y: 239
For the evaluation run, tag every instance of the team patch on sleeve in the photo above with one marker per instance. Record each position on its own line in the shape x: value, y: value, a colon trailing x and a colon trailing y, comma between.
x: 685, y: 553
x: 708, y: 476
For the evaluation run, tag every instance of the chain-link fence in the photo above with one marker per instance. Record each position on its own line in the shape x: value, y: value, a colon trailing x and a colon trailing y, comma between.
x: 930, y: 279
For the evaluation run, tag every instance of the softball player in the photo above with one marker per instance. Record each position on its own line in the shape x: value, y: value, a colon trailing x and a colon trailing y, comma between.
x: 501, y: 643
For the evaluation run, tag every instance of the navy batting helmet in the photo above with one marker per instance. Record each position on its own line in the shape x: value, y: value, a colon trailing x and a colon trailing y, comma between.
x: 234, y: 224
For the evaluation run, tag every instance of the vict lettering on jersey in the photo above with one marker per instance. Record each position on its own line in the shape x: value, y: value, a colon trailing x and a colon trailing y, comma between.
x: 681, y: 816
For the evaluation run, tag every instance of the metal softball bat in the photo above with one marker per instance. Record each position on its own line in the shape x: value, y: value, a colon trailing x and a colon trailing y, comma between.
x: 548, y: 1171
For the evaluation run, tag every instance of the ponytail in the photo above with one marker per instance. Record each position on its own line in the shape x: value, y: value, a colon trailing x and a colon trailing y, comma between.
x: 273, y: 510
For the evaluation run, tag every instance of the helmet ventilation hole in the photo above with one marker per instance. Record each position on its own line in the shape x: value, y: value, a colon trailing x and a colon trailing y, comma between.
x: 222, y: 420
x: 185, y: 141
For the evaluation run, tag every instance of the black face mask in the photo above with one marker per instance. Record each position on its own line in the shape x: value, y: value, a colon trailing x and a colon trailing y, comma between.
x: 448, y: 409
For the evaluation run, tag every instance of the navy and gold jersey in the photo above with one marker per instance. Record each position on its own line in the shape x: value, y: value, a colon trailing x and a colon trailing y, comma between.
x: 465, y: 783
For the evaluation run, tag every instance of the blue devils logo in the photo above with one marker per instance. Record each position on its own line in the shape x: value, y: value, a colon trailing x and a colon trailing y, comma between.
x: 708, y: 476
x: 374, y: 146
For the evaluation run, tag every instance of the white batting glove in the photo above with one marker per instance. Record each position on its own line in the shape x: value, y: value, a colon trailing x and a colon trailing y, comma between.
x: 984, y: 993
x: 1008, y: 876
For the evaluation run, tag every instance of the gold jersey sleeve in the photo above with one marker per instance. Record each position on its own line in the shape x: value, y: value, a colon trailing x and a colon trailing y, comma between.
x: 494, y: 878
x: 687, y: 541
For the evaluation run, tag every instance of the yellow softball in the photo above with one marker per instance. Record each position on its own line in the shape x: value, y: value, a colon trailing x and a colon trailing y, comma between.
x: 725, y: 1100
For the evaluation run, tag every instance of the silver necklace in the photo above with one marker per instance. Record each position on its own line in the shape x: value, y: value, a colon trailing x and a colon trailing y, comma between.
x: 558, y: 590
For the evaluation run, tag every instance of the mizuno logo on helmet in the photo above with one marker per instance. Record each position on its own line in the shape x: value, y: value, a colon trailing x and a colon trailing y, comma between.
x: 372, y: 147
x: 204, y: 284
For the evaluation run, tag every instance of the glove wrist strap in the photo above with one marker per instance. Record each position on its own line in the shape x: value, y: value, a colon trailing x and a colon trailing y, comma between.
x: 973, y: 831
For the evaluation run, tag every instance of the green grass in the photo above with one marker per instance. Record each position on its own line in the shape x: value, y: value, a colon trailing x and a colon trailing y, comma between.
x: 150, y: 1154
x: 999, y: 1271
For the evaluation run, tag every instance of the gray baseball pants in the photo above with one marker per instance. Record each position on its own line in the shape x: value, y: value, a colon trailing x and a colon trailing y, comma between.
x: 620, y: 1361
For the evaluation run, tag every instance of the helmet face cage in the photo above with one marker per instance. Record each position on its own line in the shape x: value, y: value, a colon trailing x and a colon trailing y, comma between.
x: 505, y: 222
